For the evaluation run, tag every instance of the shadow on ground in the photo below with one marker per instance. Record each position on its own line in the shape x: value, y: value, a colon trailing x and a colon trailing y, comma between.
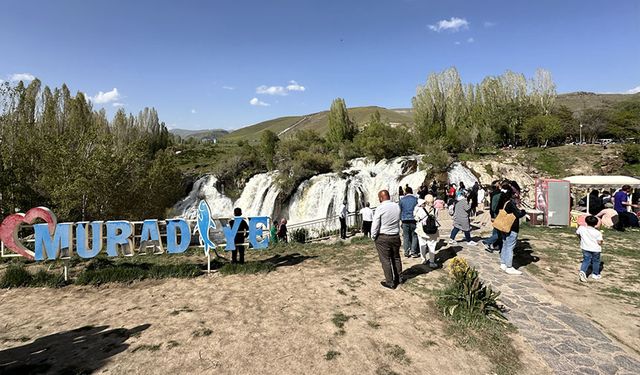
x: 523, y: 254
x: 79, y: 351
x: 442, y: 256
x: 288, y: 260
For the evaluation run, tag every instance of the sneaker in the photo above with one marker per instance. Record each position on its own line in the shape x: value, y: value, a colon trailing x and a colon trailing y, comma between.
x: 472, y: 243
x: 596, y: 277
x: 487, y: 248
x: 416, y: 256
x: 387, y: 285
x: 583, y: 277
x: 407, y: 255
x: 503, y: 267
x: 512, y: 271
x: 424, y: 261
x: 433, y: 264
x: 452, y: 242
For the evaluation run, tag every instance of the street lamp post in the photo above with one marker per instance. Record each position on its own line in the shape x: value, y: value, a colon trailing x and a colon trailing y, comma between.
x: 580, y: 133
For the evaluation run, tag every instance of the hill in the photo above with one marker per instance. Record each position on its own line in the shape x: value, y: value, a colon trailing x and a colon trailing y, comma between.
x: 579, y: 101
x: 284, y: 126
x: 199, y: 134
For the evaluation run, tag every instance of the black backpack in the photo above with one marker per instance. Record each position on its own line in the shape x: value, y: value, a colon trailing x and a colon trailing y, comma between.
x: 430, y: 224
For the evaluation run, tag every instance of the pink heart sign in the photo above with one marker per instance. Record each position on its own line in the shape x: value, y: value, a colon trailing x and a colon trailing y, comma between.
x: 11, y: 225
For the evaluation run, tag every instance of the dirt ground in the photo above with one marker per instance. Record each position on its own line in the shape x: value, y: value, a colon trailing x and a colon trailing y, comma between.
x: 276, y: 323
x: 613, y: 302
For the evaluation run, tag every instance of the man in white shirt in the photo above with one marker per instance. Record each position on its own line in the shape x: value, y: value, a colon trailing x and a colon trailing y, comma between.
x: 343, y: 220
x: 385, y: 231
x: 367, y: 219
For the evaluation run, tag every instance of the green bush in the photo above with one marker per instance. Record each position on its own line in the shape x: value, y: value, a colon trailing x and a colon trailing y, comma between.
x: 48, y: 279
x: 101, y: 271
x: 631, y: 153
x: 15, y: 276
x: 300, y: 235
x: 466, y: 295
x: 246, y: 268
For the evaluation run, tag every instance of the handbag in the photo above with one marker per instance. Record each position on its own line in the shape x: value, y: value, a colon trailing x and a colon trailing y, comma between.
x: 504, y: 220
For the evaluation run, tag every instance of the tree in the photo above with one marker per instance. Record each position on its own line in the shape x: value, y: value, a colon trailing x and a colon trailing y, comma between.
x: 543, y: 129
x: 341, y: 127
x: 380, y: 141
x: 268, y: 145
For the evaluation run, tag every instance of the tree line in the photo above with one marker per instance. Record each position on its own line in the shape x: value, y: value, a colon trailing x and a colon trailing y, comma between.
x: 57, y: 151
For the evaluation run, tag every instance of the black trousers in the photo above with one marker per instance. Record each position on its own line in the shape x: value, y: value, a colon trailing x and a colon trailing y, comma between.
x: 366, y: 228
x: 388, y: 247
x: 234, y: 254
x: 343, y: 228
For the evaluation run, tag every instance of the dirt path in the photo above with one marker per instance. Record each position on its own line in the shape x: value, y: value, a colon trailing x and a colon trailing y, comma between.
x: 276, y: 323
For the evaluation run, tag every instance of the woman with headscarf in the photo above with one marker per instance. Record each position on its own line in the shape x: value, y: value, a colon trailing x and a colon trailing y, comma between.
x: 423, y: 212
x: 282, y: 231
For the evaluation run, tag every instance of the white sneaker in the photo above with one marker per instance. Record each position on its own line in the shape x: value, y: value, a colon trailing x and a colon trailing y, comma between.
x: 503, y: 266
x: 582, y: 276
x: 596, y: 277
x: 472, y: 243
x: 452, y: 242
x: 512, y: 271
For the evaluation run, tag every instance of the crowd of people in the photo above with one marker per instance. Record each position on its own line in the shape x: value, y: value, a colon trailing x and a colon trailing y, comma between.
x: 619, y: 210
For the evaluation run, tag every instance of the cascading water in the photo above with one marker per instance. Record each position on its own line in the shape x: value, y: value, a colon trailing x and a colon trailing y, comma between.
x: 459, y: 173
x: 320, y: 196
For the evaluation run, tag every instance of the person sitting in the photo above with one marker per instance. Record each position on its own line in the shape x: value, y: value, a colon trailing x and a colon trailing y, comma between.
x: 608, y: 217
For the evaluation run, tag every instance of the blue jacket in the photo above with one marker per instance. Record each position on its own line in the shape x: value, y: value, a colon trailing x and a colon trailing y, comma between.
x: 407, y: 204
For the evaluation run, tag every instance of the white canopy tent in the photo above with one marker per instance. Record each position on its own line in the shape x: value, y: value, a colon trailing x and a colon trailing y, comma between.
x: 602, y: 181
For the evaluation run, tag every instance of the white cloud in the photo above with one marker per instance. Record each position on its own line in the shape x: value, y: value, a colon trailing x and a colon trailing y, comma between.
x: 470, y: 40
x: 21, y: 77
x: 106, y: 97
x: 634, y: 90
x: 488, y: 24
x: 453, y: 24
x: 228, y: 87
x: 271, y: 90
x: 193, y: 111
x: 257, y: 102
x: 118, y: 104
x: 294, y: 86
x: 456, y: 43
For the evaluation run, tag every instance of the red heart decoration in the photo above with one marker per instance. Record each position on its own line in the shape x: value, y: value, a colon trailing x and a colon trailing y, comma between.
x: 11, y: 225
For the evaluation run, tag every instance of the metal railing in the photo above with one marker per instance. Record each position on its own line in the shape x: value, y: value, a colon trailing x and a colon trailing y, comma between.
x: 322, y: 229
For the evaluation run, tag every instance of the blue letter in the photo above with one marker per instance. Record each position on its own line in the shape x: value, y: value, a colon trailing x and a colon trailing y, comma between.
x: 230, y: 233
x: 172, y: 236
x: 256, y: 226
x: 119, y: 233
x: 150, y: 237
x: 51, y: 246
x: 82, y: 239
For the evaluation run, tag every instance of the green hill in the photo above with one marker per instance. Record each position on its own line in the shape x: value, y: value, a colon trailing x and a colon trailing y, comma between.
x: 285, y: 126
x: 579, y: 101
x: 199, y: 134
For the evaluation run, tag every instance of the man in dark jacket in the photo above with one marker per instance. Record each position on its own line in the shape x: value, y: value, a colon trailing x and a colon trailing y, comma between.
x: 241, y: 235
x: 495, y: 241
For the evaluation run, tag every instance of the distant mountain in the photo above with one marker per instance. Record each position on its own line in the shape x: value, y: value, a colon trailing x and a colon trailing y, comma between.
x: 285, y: 126
x: 579, y: 101
x: 199, y: 134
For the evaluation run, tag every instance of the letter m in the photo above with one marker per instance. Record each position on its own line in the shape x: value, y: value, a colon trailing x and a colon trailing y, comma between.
x: 46, y: 245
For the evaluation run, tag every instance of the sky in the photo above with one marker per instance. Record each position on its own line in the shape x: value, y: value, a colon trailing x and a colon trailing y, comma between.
x: 229, y: 64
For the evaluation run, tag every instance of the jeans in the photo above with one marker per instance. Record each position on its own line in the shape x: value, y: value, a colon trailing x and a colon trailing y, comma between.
x: 508, y: 244
x: 494, y: 239
x: 590, y: 258
x: 409, y: 238
x: 454, y: 232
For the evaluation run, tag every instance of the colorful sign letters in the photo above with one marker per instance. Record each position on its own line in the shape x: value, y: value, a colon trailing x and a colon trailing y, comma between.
x: 53, y: 240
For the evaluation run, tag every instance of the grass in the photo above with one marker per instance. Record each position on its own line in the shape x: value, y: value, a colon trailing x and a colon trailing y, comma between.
x: 16, y: 275
x: 373, y: 324
x: 172, y: 344
x: 397, y: 353
x: 385, y: 370
x: 339, y: 319
x: 246, y: 268
x: 331, y: 355
x: 103, y: 272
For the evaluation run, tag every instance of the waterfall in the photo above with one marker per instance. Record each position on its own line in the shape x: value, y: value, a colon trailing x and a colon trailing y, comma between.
x: 459, y: 172
x: 319, y: 197
x: 204, y: 188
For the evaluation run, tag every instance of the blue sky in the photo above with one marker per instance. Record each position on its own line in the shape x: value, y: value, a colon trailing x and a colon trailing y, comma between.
x: 226, y: 64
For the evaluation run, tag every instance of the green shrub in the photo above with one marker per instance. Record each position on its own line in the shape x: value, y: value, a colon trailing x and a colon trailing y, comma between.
x: 15, y: 276
x: 300, y: 235
x: 106, y: 271
x: 467, y: 295
x: 631, y: 153
x: 48, y: 279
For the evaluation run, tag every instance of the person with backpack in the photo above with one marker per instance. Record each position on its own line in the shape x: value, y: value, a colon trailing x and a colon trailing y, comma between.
x: 427, y: 229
